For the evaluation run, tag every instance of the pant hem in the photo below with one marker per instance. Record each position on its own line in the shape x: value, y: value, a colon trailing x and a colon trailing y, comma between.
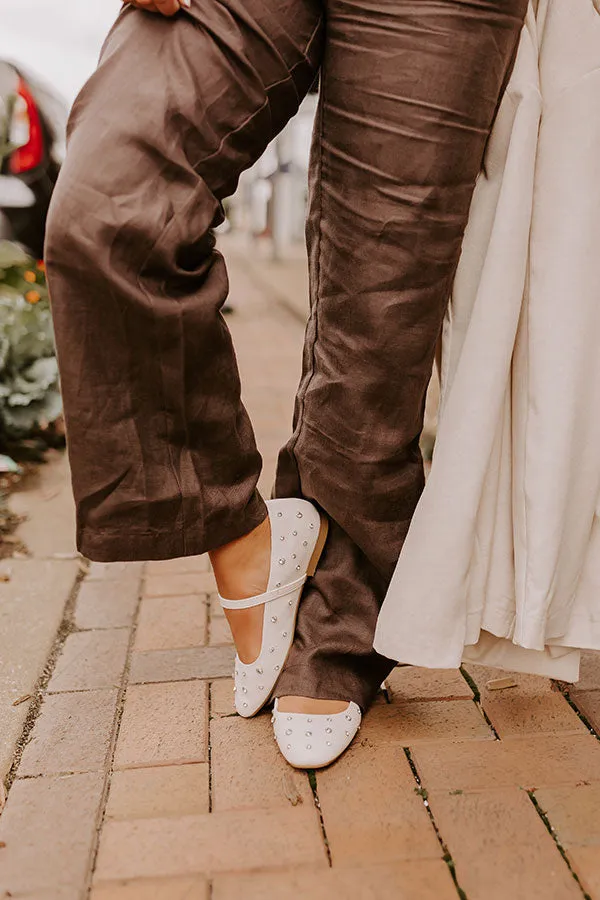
x: 332, y: 682
x: 123, y: 545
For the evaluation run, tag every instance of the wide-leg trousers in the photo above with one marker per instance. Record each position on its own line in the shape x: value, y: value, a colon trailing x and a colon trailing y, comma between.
x: 164, y: 461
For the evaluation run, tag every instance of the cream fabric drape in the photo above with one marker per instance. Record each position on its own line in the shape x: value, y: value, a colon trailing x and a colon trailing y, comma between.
x: 502, y: 561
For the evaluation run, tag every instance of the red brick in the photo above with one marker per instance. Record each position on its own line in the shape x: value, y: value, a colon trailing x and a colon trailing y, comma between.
x: 172, y: 623
x: 115, y: 571
x: 221, y: 697
x: 188, y: 888
x: 70, y: 892
x: 407, y: 683
x: 71, y: 734
x: 589, y: 673
x: 163, y: 724
x: 32, y: 604
x: 215, y: 609
x: 501, y: 847
x: 585, y: 862
x: 424, y: 879
x: 220, y: 632
x: 515, y: 715
x: 431, y: 720
x: 181, y: 665
x: 107, y: 604
x: 367, y: 823
x: 218, y: 842
x: 248, y: 771
x: 573, y: 812
x: 182, y: 566
x: 48, y: 827
x: 178, y: 584
x: 524, y: 684
x: 527, y: 763
x: 91, y: 660
x: 159, y: 792
x: 588, y: 704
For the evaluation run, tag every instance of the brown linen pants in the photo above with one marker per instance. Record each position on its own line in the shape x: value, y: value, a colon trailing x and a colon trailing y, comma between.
x: 163, y: 456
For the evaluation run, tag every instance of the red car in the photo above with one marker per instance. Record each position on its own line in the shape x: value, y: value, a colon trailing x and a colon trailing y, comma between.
x: 32, y: 139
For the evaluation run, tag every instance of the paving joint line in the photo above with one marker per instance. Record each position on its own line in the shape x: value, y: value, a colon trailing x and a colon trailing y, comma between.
x: 109, y: 758
x: 40, y: 690
x: 447, y: 856
x: 63, y: 774
x: 161, y: 680
x: 209, y: 618
x: 477, y: 700
x: 487, y: 719
x: 77, y: 630
x: 472, y: 683
x: 312, y: 780
x: 550, y: 829
x: 572, y: 703
x: 386, y: 692
x: 209, y: 753
x: 92, y: 690
x: 207, y: 606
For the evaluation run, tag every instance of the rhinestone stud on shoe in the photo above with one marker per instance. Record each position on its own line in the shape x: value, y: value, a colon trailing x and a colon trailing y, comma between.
x: 297, y: 526
x: 311, y: 742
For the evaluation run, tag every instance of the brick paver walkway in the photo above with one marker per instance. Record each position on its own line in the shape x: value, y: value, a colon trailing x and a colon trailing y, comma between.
x: 138, y: 782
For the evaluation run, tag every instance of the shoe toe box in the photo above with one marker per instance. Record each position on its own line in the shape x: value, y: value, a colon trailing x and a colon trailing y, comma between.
x: 310, y: 742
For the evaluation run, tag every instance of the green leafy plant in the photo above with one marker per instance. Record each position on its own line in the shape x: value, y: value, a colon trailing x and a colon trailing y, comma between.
x: 29, y: 389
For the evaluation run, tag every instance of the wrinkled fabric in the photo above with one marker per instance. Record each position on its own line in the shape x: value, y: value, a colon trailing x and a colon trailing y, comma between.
x: 501, y: 563
x: 163, y: 457
x: 409, y: 92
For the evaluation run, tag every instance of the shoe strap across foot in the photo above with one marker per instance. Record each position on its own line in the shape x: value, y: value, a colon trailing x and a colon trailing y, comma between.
x: 260, y: 599
x: 297, y: 537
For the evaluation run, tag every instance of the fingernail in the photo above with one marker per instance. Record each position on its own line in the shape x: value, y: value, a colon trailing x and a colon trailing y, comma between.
x: 186, y: 3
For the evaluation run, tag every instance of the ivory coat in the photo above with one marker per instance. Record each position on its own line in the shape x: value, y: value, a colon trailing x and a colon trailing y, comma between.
x: 502, y: 560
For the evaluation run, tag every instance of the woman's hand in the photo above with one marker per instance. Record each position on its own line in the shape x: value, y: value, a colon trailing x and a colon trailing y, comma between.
x: 165, y: 7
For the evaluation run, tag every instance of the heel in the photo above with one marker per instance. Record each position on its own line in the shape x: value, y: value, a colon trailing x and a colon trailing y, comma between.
x: 314, y: 560
x: 298, y: 534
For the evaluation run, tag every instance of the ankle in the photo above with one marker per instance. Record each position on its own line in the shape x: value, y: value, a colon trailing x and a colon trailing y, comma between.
x: 242, y: 567
x: 310, y: 705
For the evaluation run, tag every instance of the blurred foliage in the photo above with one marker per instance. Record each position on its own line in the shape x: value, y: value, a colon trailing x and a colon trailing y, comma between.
x: 29, y: 390
x: 30, y: 404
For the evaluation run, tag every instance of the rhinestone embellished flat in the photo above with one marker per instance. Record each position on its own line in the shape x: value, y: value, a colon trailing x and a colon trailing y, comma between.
x: 315, y: 740
x: 298, y: 534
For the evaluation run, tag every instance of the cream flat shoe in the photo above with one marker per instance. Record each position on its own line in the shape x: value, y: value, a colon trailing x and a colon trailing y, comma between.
x: 298, y: 534
x: 311, y: 742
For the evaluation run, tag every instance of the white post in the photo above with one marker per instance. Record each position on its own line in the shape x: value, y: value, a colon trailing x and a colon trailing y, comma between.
x: 283, y: 194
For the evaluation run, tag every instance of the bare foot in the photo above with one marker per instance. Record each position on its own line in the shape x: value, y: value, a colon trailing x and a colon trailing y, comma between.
x: 242, y: 570
x: 308, y: 705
